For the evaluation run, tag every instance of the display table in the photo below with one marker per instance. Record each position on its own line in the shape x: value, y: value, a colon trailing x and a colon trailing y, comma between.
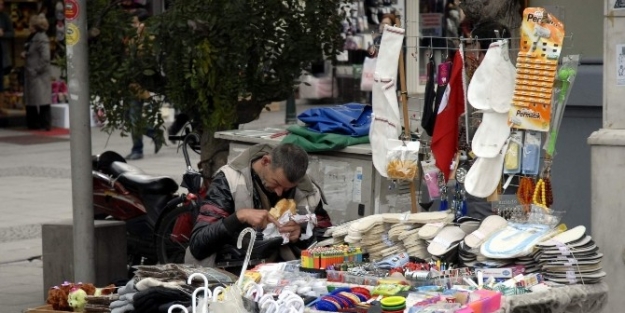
x: 569, y: 299
x: 351, y: 185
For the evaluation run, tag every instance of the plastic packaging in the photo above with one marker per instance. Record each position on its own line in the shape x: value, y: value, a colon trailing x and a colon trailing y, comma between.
x: 564, y: 80
x: 513, y: 158
x: 403, y: 161
x: 531, y: 153
x: 430, y: 175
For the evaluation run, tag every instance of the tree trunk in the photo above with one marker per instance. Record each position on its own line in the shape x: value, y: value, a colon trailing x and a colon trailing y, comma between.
x: 213, y: 156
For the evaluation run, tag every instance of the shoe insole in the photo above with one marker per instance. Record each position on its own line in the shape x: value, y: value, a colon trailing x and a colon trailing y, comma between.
x: 447, y: 239
x: 570, y: 235
x: 513, y: 241
x: 577, y: 252
x: 494, y: 70
x: 489, y: 226
x: 586, y: 241
x: 491, y: 135
x: 578, y: 268
x: 484, y: 175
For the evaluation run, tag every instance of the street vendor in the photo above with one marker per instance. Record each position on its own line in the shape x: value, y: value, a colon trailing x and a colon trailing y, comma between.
x: 243, y: 191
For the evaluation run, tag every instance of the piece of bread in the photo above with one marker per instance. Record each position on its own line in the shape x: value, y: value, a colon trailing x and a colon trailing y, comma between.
x: 282, y: 207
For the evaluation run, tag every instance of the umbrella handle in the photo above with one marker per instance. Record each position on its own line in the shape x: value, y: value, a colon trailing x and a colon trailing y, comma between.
x: 248, y: 254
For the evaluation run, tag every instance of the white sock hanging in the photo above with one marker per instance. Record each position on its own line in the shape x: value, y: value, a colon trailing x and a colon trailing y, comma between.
x: 385, y: 123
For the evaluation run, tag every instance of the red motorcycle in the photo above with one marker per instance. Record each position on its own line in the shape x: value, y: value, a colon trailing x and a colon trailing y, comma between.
x: 159, y: 220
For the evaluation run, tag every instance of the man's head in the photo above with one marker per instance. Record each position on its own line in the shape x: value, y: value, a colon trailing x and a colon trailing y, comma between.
x: 38, y: 23
x: 485, y: 33
x: 283, y: 168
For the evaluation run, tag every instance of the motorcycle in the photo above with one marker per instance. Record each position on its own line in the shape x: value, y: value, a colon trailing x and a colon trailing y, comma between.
x: 159, y: 221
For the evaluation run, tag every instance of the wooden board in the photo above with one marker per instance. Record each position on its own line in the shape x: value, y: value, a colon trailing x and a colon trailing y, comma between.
x: 43, y: 309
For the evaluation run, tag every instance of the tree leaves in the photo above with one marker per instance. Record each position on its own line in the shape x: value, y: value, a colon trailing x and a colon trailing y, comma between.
x: 208, y: 57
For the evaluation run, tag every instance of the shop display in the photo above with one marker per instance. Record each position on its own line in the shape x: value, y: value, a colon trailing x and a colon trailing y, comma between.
x: 416, y: 262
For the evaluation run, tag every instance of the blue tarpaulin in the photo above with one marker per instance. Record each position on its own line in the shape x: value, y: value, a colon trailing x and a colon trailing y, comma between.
x: 351, y: 119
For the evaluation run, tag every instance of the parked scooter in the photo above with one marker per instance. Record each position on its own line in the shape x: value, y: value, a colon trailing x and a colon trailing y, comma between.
x: 158, y: 219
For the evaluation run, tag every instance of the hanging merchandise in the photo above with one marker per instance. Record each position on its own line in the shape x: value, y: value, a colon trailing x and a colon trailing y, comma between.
x: 531, y: 153
x: 542, y: 35
x: 484, y: 176
x: 495, y: 70
x: 368, y: 71
x: 403, y: 159
x: 564, y: 81
x: 490, y: 135
x: 385, y: 122
x: 445, y: 136
x: 429, y: 103
x: 512, y: 160
x: 430, y: 175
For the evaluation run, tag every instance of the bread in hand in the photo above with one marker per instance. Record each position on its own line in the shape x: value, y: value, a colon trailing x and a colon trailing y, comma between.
x: 282, y: 207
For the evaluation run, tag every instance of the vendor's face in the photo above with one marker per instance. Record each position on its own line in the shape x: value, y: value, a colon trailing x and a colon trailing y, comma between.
x: 385, y: 21
x: 274, y: 179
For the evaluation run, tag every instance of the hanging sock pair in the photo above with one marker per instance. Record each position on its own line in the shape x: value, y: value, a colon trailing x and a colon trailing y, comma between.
x: 385, y: 122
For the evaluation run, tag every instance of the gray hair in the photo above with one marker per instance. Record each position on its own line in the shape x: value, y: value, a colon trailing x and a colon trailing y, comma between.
x: 292, y: 159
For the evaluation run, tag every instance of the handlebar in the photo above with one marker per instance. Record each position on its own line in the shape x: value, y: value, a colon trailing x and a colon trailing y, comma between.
x: 186, y: 142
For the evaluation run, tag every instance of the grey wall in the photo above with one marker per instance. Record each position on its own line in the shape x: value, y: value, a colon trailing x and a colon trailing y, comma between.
x: 571, y: 166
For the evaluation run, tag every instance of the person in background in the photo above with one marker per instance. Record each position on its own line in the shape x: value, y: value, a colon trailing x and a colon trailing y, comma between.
x: 37, y: 79
x: 387, y: 19
x: 136, y: 105
x: 243, y: 191
x: 6, y: 35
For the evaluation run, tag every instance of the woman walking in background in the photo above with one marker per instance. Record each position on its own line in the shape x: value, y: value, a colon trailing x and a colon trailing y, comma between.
x: 37, y: 83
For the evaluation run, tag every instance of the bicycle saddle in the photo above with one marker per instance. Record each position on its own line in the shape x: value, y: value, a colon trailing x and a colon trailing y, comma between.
x: 147, y: 184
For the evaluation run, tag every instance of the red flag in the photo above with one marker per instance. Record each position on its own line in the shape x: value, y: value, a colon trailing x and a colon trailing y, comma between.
x: 445, y: 136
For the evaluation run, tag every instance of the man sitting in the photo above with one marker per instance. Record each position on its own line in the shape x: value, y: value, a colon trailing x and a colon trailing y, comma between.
x: 242, y: 193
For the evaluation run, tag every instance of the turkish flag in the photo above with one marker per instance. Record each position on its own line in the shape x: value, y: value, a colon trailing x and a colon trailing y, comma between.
x: 445, y: 136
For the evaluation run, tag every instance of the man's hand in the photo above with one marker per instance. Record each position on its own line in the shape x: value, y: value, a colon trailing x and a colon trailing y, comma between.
x: 293, y: 229
x: 255, y: 218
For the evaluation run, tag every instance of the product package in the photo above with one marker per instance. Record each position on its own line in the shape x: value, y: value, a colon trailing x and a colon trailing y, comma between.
x: 403, y: 161
x: 514, y: 155
x: 542, y: 35
x: 430, y: 175
x: 531, y: 153
x: 562, y: 90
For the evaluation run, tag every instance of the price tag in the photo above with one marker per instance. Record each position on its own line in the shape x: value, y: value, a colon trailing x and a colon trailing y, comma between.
x: 564, y: 250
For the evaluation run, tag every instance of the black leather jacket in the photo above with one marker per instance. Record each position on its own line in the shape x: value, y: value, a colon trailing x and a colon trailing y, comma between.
x: 216, y: 224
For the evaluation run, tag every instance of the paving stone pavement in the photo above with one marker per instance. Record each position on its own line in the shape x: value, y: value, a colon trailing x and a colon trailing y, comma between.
x: 35, y: 188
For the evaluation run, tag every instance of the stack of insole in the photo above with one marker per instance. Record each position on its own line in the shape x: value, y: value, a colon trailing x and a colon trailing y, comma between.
x: 530, y: 262
x: 444, y: 246
x: 415, y: 245
x: 469, y: 248
x: 571, y: 257
x: 384, y: 235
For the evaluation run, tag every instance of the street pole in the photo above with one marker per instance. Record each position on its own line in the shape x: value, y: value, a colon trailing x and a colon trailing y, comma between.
x: 80, y: 139
x: 291, y: 111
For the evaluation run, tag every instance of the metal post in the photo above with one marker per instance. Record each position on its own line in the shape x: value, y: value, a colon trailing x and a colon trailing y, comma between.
x: 80, y: 139
x: 290, y: 117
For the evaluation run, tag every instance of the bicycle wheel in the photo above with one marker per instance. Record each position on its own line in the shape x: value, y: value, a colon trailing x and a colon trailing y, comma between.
x: 173, y: 234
